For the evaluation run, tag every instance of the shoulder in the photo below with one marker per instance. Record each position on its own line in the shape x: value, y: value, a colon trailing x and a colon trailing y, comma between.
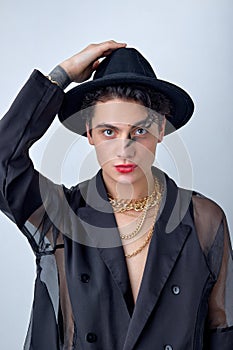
x: 76, y: 195
x: 201, y: 205
x: 206, y: 215
x: 206, y: 208
x: 209, y: 221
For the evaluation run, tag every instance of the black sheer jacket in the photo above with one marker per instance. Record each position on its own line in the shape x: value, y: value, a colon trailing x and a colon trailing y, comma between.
x: 83, y: 298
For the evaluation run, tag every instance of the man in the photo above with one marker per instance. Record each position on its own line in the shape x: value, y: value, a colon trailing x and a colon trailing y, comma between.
x: 126, y: 260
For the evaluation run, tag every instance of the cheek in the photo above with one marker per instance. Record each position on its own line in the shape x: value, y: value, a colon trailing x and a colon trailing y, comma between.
x: 104, y: 152
x: 146, y: 152
x: 147, y: 146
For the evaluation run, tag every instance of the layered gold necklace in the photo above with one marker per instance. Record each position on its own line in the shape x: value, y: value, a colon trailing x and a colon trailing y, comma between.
x: 123, y: 206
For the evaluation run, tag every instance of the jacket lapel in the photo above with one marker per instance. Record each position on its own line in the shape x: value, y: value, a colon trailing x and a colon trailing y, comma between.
x: 99, y: 222
x: 163, y: 253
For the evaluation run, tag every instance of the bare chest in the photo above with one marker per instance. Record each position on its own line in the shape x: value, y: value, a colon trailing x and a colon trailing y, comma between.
x: 136, y: 267
x: 135, y: 264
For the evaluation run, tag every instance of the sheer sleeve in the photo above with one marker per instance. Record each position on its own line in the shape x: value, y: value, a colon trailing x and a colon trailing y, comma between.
x: 213, y: 233
x: 51, y: 290
x: 35, y: 205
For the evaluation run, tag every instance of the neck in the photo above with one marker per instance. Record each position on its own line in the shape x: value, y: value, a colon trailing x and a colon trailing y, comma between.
x: 135, y: 190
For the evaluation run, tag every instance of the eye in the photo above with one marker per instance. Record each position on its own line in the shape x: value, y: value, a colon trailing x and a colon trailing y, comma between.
x: 140, y: 131
x: 108, y: 132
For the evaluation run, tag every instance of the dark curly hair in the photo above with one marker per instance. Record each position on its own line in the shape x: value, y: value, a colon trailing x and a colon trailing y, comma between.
x: 155, y: 101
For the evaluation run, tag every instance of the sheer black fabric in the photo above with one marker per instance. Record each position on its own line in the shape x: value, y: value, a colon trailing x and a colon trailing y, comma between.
x: 214, y: 238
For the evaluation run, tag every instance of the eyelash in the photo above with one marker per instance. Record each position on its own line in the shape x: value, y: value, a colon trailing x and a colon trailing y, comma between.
x: 105, y: 131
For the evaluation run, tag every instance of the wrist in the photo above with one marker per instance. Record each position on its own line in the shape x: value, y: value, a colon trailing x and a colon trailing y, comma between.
x: 59, y: 77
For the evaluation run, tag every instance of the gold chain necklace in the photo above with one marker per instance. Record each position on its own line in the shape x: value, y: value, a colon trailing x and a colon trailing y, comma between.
x: 145, y: 243
x: 134, y: 215
x: 141, y: 222
x: 122, y: 205
x: 138, y: 228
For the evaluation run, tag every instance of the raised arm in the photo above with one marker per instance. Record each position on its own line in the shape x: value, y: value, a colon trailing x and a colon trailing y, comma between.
x: 28, y: 118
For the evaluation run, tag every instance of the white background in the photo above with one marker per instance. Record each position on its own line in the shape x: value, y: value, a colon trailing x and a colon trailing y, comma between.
x: 187, y: 42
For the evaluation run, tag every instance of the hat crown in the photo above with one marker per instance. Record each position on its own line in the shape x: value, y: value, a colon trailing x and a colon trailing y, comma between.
x: 124, y: 61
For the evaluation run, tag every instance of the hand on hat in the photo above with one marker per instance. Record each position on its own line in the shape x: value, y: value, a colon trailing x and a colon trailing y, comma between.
x: 81, y: 66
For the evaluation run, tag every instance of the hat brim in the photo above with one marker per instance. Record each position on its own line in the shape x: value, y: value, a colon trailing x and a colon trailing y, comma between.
x: 182, y: 102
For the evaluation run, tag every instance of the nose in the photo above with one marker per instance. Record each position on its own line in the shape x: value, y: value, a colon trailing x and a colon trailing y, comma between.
x: 125, y: 148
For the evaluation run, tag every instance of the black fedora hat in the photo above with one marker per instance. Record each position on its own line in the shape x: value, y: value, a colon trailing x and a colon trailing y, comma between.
x: 125, y: 66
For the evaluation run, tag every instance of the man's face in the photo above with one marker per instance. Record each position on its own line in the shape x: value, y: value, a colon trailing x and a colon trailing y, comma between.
x: 124, y: 141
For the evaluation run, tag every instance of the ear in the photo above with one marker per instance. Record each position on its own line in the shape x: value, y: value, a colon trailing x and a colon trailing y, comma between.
x: 162, y: 131
x: 89, y: 137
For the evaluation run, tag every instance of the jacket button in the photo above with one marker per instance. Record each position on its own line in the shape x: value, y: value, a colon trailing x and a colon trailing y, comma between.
x: 176, y: 290
x: 85, y: 278
x: 168, y: 347
x: 91, y: 337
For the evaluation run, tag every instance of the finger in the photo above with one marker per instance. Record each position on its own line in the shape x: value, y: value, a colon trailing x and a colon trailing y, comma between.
x: 110, y: 49
x: 95, y: 65
x: 106, y: 53
x: 112, y: 44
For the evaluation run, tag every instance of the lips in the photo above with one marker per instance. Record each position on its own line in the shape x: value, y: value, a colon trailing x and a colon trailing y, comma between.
x: 125, y: 168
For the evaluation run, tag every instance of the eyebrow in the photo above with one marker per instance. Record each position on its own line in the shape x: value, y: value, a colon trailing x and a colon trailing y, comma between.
x: 110, y: 126
x: 105, y: 125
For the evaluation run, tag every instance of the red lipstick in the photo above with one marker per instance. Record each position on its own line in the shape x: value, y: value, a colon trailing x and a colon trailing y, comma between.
x: 125, y: 168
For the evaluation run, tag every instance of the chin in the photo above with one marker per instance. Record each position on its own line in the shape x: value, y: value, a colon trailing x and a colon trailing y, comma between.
x: 125, y: 179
